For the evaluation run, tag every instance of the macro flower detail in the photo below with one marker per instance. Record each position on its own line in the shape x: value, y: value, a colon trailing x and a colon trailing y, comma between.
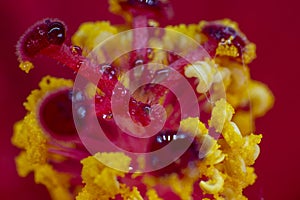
x: 186, y: 130
x: 42, y: 153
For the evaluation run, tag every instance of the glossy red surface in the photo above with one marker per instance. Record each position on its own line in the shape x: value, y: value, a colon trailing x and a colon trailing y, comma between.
x: 272, y: 25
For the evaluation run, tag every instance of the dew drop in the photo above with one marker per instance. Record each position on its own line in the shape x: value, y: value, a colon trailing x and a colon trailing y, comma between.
x: 147, y: 109
x: 108, y: 71
x: 81, y: 111
x: 150, y: 53
x: 56, y: 33
x: 120, y: 91
x: 164, y: 138
x: 78, y: 64
x: 78, y: 97
x: 161, y: 75
x: 76, y: 50
x: 107, y: 116
x: 138, y: 62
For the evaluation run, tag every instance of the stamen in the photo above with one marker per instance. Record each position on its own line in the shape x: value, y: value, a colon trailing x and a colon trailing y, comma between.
x: 224, y: 40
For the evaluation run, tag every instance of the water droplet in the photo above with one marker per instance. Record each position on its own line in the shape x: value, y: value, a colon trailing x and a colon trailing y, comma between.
x: 138, y: 71
x: 108, y: 72
x: 79, y: 96
x: 159, y: 139
x: 161, y: 75
x: 107, y: 116
x: 76, y: 50
x: 81, y: 111
x: 147, y: 109
x: 104, y: 68
x: 120, y: 91
x: 138, y: 62
x: 56, y: 33
x: 165, y: 137
x: 79, y: 63
x: 150, y: 53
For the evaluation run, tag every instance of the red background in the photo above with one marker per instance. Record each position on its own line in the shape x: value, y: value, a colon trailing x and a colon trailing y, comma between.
x: 274, y: 27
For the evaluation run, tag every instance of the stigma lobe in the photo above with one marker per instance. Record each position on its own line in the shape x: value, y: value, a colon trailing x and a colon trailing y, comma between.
x: 40, y: 36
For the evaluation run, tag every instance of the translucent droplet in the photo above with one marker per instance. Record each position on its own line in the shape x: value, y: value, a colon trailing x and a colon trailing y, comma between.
x: 79, y: 96
x: 147, y: 109
x: 108, y: 71
x: 81, y: 111
x: 78, y: 64
x: 138, y: 71
x: 107, y: 116
x: 138, y: 62
x: 150, y: 53
x: 76, y: 50
x: 104, y: 68
x: 120, y: 91
x: 161, y: 75
x: 159, y: 139
x: 56, y: 33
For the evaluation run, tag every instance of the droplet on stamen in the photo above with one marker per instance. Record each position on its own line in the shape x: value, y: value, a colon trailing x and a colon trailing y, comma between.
x: 81, y: 112
x: 164, y: 138
x: 138, y: 62
x: 76, y: 50
x: 56, y: 33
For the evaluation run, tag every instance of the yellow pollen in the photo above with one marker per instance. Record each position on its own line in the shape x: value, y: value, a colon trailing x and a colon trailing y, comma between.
x: 26, y: 66
x: 225, y: 48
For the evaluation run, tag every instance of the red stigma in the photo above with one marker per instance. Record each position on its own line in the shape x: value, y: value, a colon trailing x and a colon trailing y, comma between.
x: 40, y: 36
